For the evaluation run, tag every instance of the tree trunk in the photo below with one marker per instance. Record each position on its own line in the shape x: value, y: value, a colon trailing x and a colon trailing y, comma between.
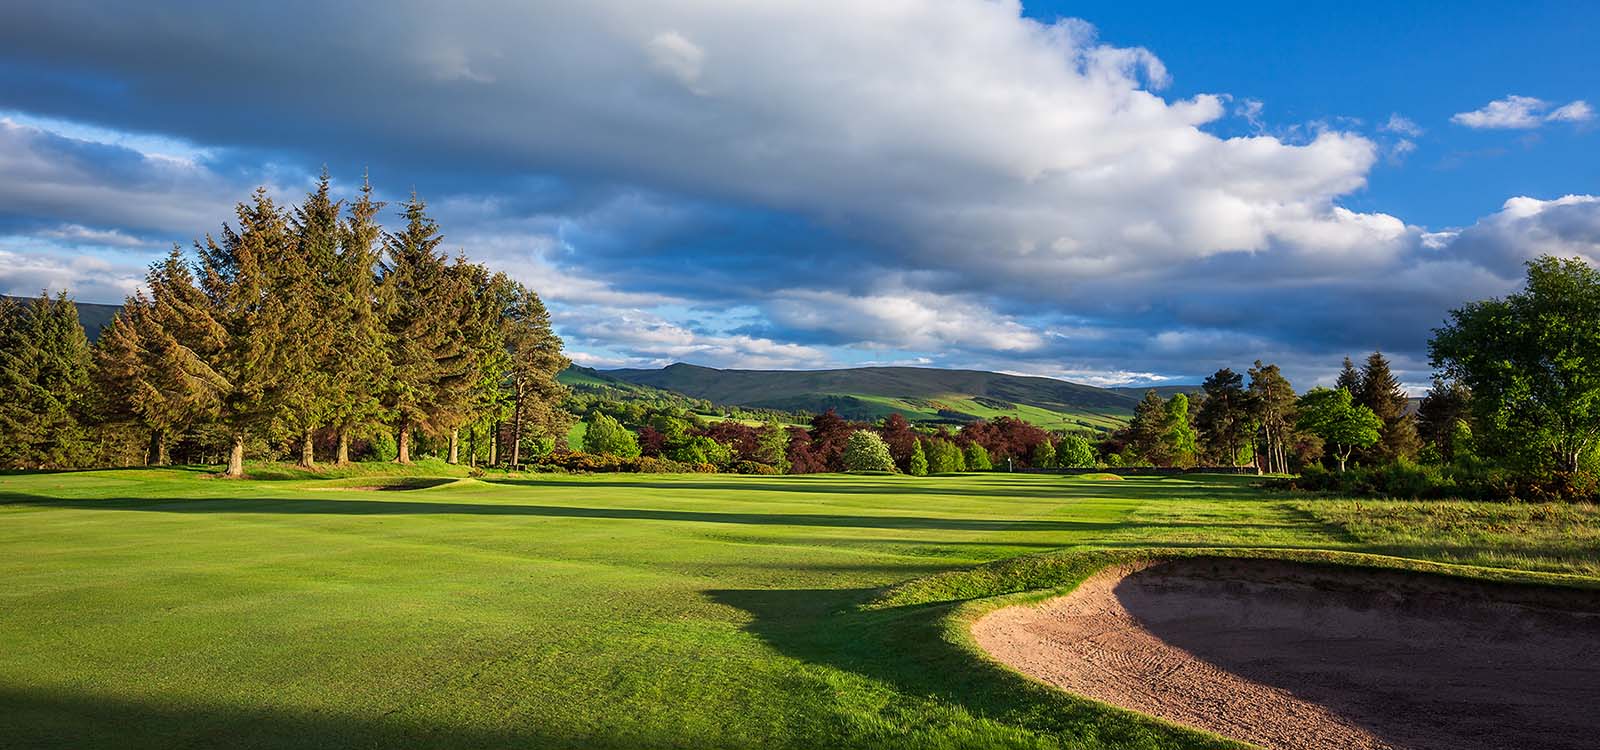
x: 494, y: 446
x: 1343, y: 457
x: 236, y: 458
x: 344, y: 446
x: 403, y: 452
x: 455, y: 446
x: 158, y: 449
x: 308, y: 452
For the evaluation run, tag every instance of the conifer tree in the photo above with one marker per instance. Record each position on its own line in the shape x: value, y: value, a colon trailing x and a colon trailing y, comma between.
x: 1223, y: 421
x: 535, y: 359
x: 417, y: 295
x: 45, y: 390
x: 305, y: 280
x: 151, y: 361
x: 1380, y: 391
x: 241, y: 276
x: 1272, y: 407
x: 359, y: 355
x: 1349, y: 378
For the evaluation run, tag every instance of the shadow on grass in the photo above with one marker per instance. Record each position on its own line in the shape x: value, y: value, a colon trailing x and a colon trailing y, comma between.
x: 911, y: 648
x: 402, y: 507
x: 53, y: 719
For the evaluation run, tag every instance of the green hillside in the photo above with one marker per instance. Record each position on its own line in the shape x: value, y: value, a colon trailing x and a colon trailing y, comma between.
x: 921, y: 394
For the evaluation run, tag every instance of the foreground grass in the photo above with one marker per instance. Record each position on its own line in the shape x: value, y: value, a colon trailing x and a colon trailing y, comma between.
x: 166, y: 608
x: 1557, y: 537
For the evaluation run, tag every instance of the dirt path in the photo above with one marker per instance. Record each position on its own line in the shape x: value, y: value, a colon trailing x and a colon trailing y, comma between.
x: 1297, y: 656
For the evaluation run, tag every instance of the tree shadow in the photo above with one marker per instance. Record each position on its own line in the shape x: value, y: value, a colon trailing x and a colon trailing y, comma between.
x: 315, y: 506
x: 912, y: 649
x: 57, y: 719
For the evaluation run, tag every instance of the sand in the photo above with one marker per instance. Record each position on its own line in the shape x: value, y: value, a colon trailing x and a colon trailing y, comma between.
x: 1287, y: 655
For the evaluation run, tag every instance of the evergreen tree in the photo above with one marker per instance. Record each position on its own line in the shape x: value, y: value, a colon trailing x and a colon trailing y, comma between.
x: 535, y: 357
x: 45, y: 389
x: 865, y: 451
x: 240, y: 277
x: 419, y: 294
x: 1380, y: 391
x: 1349, y: 378
x: 1272, y: 411
x: 1147, y: 432
x: 359, y: 355
x: 976, y: 458
x: 305, y: 281
x: 1447, y: 404
x: 1223, y: 419
x: 917, y: 466
x: 151, y: 361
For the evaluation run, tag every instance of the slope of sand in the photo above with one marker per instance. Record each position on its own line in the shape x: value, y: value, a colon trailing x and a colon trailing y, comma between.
x: 1297, y: 656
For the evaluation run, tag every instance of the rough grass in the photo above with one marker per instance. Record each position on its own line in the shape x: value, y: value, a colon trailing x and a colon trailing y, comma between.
x: 169, y: 609
x: 1557, y: 537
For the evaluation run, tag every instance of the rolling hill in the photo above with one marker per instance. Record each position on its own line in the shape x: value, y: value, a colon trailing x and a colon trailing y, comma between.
x: 921, y: 394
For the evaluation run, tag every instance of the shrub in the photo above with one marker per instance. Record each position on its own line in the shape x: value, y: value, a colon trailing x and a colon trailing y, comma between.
x: 977, y: 458
x: 753, y: 467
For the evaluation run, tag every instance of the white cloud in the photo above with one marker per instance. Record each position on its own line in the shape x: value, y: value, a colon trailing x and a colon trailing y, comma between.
x: 1402, y: 125
x: 902, y: 319
x: 650, y: 338
x: 1522, y: 113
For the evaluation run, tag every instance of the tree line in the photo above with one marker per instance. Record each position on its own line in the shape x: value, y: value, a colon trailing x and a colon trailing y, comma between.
x: 289, y: 327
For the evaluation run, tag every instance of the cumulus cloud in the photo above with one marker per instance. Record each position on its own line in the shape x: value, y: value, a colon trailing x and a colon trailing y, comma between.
x: 949, y: 181
x: 1522, y: 113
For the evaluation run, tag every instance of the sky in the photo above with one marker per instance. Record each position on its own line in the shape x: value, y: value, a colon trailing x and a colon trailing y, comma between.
x: 1105, y: 192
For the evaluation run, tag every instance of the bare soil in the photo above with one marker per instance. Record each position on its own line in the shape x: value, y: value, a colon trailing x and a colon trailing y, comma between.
x: 1289, y: 655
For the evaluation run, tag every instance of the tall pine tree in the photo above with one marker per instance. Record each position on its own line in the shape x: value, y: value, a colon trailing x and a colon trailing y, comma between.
x: 45, y: 388
x: 1380, y: 391
x: 419, y: 296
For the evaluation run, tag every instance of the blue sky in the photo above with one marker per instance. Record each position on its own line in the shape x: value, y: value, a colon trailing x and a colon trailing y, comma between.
x: 1095, y: 191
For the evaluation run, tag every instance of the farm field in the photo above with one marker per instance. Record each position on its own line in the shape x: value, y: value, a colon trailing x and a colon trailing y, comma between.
x: 165, y: 608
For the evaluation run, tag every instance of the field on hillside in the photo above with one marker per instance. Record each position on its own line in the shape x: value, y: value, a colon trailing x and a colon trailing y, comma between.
x: 165, y: 608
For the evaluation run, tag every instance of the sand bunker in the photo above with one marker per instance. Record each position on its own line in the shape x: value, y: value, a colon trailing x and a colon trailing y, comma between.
x: 1300, y: 656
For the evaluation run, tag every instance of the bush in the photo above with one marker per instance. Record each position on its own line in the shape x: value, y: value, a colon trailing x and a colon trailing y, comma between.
x: 1407, y: 480
x: 752, y: 467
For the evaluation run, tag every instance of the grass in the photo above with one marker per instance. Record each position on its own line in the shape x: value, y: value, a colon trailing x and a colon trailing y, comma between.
x: 167, y: 608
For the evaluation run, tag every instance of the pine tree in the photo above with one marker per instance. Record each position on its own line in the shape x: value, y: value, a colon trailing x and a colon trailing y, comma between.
x: 1349, y: 378
x: 45, y: 389
x: 305, y: 281
x: 360, y: 361
x: 418, y: 298
x: 242, y: 280
x: 535, y: 361
x: 1272, y: 406
x: 1223, y: 419
x: 1380, y: 391
x: 1447, y: 404
x: 1147, y: 432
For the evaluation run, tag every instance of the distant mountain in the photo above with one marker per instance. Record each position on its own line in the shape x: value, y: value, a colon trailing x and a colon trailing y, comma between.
x: 923, y: 394
x: 92, y: 316
x: 1164, y: 391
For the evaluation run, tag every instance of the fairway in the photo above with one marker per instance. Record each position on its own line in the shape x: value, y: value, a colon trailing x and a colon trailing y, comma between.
x: 165, y: 608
